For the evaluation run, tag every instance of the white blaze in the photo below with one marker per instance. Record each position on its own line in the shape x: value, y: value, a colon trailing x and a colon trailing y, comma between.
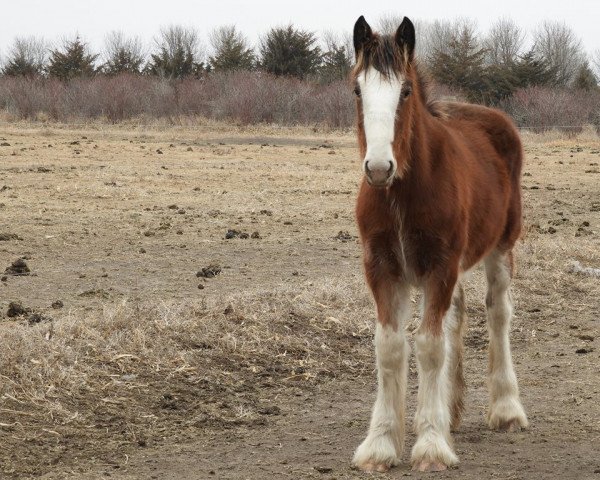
x: 380, y: 97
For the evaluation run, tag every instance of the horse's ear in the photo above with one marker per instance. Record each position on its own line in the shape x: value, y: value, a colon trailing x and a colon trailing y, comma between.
x: 362, y: 34
x: 405, y: 37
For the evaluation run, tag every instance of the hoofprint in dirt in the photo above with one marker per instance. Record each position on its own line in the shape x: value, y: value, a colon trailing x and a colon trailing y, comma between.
x: 147, y: 361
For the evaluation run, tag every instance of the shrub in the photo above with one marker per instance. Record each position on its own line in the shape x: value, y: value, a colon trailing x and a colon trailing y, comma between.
x: 239, y: 96
x: 542, y: 108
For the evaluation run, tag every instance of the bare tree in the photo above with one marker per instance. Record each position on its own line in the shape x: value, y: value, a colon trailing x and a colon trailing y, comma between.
x: 389, y: 22
x: 122, y: 54
x: 434, y: 37
x: 596, y: 62
x: 179, y: 53
x: 27, y: 56
x: 439, y: 37
x: 332, y: 40
x: 559, y: 46
x: 230, y: 49
x: 338, y: 56
x: 504, y: 42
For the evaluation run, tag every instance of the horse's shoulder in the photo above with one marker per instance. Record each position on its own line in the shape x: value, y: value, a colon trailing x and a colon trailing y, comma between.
x: 470, y: 112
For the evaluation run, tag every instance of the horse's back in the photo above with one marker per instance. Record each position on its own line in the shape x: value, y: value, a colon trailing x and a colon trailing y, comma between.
x: 502, y: 134
x: 496, y: 126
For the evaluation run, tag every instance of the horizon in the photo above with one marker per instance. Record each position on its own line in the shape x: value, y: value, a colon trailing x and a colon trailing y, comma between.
x: 93, y: 20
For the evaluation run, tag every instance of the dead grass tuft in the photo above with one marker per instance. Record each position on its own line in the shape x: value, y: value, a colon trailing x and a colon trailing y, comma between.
x: 117, y: 376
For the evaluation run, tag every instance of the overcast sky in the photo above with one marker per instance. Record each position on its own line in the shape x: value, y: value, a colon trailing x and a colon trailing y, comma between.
x: 92, y: 19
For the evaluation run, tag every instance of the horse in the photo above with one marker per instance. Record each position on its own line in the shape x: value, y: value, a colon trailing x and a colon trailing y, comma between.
x: 440, y: 194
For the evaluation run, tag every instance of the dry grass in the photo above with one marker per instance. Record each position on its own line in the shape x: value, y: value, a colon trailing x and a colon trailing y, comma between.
x: 160, y: 361
x: 587, y: 135
x: 121, y: 376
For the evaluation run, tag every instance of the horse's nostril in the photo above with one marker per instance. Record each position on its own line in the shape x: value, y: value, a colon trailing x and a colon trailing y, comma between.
x: 367, y: 166
x: 391, y: 167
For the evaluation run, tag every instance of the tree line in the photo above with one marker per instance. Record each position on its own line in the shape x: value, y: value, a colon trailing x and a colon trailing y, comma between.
x: 485, y: 68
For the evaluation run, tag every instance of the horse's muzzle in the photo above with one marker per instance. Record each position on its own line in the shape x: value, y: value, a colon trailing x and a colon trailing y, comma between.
x: 379, y: 174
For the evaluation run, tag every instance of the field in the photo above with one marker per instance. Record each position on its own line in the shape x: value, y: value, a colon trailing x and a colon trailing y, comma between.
x: 149, y: 345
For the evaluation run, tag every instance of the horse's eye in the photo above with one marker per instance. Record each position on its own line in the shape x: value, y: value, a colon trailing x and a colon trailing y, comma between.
x: 406, y: 91
x: 357, y: 91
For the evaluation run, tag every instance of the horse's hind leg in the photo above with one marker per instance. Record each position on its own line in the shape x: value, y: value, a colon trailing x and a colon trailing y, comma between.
x: 506, y: 411
x: 454, y: 325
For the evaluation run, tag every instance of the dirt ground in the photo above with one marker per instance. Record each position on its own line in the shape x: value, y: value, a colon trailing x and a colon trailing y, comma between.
x: 150, y: 345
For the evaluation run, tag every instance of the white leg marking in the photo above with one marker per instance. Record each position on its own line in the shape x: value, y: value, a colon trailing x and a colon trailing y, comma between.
x: 383, y: 446
x: 433, y: 450
x: 506, y: 411
x: 454, y: 324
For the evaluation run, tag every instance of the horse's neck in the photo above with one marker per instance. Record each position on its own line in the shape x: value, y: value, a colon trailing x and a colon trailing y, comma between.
x: 416, y: 145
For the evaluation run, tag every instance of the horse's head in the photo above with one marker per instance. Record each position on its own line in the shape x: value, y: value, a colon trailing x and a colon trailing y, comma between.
x: 383, y: 87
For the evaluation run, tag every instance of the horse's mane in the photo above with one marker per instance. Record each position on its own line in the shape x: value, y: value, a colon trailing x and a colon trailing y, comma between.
x: 383, y: 54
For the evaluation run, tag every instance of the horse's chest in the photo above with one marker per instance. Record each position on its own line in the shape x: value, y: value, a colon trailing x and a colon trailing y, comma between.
x: 418, y: 251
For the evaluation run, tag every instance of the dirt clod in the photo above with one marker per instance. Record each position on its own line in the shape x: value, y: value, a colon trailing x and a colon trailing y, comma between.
x: 5, y: 237
x: 344, y: 236
x: 58, y: 304
x: 324, y: 469
x: 36, y: 317
x: 270, y: 410
x: 209, y: 272
x: 236, y: 234
x: 18, y: 268
x: 16, y: 309
x: 587, y: 338
x: 98, y: 293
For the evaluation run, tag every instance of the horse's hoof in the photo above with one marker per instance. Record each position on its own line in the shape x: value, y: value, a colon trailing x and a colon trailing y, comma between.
x: 507, y: 415
x: 427, y: 466
x: 376, y: 454
x: 510, y: 426
x: 370, y: 467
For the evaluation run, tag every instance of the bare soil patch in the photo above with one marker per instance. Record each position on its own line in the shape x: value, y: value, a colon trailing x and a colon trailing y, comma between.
x: 165, y: 349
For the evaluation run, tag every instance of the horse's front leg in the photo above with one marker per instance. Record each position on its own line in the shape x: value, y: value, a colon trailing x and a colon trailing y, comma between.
x: 433, y: 448
x: 383, y: 446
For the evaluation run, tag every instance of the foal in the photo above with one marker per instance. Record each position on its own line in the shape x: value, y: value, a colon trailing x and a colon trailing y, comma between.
x: 441, y: 192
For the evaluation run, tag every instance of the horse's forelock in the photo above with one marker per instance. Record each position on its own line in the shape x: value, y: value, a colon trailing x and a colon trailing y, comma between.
x: 383, y: 54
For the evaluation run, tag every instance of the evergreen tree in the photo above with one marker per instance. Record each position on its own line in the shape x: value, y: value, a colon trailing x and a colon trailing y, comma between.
x: 499, y: 83
x: 290, y: 52
x: 27, y: 57
x: 530, y: 70
x: 585, y: 79
x: 231, y: 50
x: 337, y: 59
x: 73, y: 60
x: 178, y: 54
x: 461, y: 65
x: 122, y: 55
